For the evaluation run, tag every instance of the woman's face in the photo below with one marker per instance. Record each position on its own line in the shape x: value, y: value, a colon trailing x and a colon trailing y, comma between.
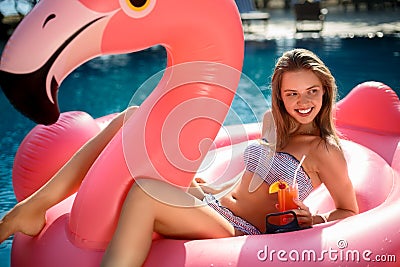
x: 302, y: 93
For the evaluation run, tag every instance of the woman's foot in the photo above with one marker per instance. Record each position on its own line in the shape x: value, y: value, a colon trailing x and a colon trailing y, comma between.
x: 25, y: 218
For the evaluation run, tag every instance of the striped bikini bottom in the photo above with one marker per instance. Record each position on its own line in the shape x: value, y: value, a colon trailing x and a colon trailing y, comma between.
x: 237, y: 222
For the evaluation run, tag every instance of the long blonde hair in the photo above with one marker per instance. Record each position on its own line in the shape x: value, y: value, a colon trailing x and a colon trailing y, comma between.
x: 302, y: 59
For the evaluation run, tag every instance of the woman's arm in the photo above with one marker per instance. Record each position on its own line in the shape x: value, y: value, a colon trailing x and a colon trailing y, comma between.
x: 333, y: 173
x: 195, y: 190
x: 268, y: 128
x: 199, y: 187
x: 28, y: 215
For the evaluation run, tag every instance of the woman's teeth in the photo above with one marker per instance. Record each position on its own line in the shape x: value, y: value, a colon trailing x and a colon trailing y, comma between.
x: 304, y: 111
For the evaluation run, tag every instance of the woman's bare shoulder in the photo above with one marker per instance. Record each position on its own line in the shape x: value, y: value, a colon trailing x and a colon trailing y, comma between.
x: 327, y: 150
x: 330, y: 159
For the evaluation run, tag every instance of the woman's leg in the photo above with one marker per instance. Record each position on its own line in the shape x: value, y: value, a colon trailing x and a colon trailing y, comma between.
x: 142, y: 214
x: 28, y: 216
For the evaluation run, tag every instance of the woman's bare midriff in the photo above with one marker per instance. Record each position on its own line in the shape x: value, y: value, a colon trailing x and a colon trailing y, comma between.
x: 254, y: 204
x: 251, y: 206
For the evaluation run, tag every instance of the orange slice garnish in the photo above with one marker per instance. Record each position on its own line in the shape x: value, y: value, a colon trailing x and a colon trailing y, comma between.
x: 275, y: 187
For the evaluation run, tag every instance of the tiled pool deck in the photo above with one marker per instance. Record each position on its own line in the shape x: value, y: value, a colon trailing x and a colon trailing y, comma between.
x: 339, y: 22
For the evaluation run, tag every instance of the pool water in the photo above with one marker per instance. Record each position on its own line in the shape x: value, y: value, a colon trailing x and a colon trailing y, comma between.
x: 106, y: 85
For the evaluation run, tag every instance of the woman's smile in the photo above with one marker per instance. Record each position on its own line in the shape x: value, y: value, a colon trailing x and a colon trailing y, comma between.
x: 304, y: 112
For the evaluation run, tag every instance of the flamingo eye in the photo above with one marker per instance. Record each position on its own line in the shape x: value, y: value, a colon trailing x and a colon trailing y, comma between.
x: 137, y: 8
x: 138, y: 4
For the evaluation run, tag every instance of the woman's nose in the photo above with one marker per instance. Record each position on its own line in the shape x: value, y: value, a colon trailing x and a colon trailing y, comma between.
x: 303, y: 99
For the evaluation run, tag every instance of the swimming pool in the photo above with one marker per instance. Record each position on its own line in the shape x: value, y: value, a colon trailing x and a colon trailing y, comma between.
x: 106, y: 85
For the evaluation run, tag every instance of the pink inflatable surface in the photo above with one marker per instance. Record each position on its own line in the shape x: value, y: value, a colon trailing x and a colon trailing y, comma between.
x: 205, y: 47
x: 187, y: 107
x: 370, y: 238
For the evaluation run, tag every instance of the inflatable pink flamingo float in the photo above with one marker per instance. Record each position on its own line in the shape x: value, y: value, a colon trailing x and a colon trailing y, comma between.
x: 204, y: 43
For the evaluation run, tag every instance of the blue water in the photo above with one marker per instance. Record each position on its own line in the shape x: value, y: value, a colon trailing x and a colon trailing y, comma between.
x: 8, y: 7
x: 106, y: 85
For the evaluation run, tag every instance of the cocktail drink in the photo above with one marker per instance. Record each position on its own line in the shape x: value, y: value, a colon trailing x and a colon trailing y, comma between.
x: 286, y: 196
x: 286, y: 199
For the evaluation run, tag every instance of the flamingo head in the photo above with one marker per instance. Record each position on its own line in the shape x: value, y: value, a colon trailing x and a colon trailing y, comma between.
x: 58, y: 36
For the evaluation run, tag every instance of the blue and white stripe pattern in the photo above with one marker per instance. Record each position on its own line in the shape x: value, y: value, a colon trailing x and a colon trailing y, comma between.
x: 273, y: 167
x: 236, y: 221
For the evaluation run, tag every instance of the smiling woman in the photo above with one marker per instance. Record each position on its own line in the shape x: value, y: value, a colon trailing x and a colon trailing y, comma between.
x: 302, y: 101
x: 306, y: 96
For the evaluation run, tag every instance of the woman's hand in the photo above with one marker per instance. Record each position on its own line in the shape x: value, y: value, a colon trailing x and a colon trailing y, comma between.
x: 25, y: 218
x: 303, y: 214
x: 206, y: 186
x: 212, y: 188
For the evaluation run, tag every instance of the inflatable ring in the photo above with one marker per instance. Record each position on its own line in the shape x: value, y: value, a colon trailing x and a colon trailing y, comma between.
x: 372, y: 151
x: 64, y: 34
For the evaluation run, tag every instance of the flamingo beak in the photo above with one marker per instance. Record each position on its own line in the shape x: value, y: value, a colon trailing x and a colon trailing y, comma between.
x: 21, y: 91
x: 30, y: 74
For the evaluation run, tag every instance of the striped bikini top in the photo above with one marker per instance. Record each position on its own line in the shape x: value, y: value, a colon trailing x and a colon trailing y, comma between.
x: 274, y: 167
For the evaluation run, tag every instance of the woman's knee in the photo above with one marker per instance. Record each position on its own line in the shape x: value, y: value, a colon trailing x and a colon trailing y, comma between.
x: 138, y: 194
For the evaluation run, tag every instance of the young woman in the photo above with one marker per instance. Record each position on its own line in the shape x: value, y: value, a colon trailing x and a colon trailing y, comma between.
x: 303, y: 95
